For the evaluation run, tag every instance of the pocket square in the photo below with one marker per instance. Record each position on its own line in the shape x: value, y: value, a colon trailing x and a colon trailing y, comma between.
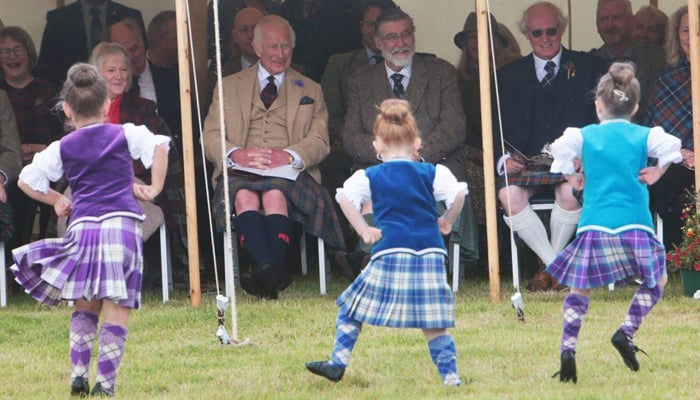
x: 306, y: 100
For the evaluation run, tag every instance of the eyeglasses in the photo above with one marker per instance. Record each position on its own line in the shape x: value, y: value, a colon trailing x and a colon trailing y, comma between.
x: 17, y: 51
x: 394, y: 37
x: 549, y: 32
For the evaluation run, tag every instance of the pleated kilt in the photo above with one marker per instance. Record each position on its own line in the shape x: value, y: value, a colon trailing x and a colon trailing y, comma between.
x: 401, y: 290
x: 309, y: 204
x: 532, y: 179
x: 597, y: 259
x: 93, y: 260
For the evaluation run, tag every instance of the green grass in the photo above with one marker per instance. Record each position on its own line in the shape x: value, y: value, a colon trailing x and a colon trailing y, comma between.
x: 172, y: 351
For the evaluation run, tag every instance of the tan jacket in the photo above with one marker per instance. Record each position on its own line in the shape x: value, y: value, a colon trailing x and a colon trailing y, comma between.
x: 307, y: 118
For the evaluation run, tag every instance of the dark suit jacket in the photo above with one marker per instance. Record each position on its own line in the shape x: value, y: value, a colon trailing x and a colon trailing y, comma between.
x: 527, y: 123
x: 335, y: 87
x: 435, y: 101
x: 64, y: 43
x: 650, y: 61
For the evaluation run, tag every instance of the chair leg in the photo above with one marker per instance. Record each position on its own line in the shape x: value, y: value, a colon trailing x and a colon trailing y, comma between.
x: 322, y: 265
x: 165, y: 266
x: 230, y: 263
x: 515, y: 261
x: 304, y: 261
x: 455, y: 267
x: 3, y: 276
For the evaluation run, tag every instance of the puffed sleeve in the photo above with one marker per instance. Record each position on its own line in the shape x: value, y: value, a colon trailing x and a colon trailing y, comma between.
x: 565, y: 149
x: 46, y: 167
x: 142, y: 142
x: 445, y: 185
x: 356, y: 189
x: 665, y: 147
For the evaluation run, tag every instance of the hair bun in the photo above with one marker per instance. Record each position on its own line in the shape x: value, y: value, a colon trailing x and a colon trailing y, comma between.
x: 82, y: 75
x: 394, y: 111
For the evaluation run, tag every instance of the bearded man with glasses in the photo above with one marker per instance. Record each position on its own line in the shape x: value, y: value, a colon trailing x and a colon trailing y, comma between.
x: 429, y: 84
x: 541, y: 94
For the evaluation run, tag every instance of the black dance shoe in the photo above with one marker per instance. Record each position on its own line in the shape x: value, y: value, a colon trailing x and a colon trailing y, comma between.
x: 79, y: 387
x: 326, y: 370
x: 567, y: 371
x: 97, y: 391
x: 627, y: 349
x: 253, y: 286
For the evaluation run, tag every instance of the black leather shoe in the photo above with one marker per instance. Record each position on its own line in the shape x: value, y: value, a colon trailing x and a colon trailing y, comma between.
x: 79, y: 387
x: 326, y: 370
x: 97, y: 391
x: 254, y: 287
x: 627, y: 349
x: 285, y: 281
x: 271, y: 276
x: 567, y: 371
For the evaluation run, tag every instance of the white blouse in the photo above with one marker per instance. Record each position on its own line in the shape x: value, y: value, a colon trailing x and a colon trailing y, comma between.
x: 47, y: 165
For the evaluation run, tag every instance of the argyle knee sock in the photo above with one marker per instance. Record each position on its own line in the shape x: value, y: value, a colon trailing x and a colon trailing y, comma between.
x: 575, y: 308
x: 530, y: 229
x: 252, y: 236
x: 347, y: 330
x: 83, y: 332
x: 562, y: 225
x: 279, y: 227
x: 643, y: 301
x: 112, y: 342
x: 361, y: 245
x: 444, y: 354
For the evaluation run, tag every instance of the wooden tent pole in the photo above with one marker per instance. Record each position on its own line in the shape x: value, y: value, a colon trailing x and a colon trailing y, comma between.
x: 487, y: 147
x: 695, y: 77
x: 184, y: 53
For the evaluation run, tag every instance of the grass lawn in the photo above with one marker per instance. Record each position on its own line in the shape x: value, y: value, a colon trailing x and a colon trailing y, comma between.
x: 173, y: 353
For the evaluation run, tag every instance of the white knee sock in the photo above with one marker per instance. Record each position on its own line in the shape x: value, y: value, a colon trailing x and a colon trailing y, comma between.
x: 531, y: 230
x: 562, y: 225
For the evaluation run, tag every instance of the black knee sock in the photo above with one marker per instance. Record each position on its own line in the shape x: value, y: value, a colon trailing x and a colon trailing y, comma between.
x: 252, y: 234
x: 279, y: 227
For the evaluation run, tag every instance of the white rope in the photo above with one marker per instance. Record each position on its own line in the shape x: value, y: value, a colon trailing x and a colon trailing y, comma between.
x: 224, y: 167
x: 516, y: 299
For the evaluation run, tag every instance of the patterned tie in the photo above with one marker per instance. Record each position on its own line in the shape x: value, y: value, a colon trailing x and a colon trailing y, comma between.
x: 95, y: 26
x: 549, y: 76
x: 376, y: 59
x: 398, y: 86
x: 269, y: 92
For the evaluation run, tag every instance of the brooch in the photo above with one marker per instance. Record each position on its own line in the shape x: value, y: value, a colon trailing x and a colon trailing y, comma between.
x: 570, y: 70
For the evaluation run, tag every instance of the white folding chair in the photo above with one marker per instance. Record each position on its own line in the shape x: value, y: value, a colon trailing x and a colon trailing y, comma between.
x: 454, y: 265
x: 3, y: 276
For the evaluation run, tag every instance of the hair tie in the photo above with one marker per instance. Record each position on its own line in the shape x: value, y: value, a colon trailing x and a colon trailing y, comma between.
x: 623, y: 97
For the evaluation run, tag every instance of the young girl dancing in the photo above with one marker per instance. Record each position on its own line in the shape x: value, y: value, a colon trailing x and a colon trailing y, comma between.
x: 404, y: 285
x: 98, y: 263
x: 615, y: 236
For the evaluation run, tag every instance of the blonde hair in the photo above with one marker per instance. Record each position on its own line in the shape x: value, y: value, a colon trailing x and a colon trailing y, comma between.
x: 618, y: 90
x: 395, y: 124
x: 674, y: 53
x: 106, y: 49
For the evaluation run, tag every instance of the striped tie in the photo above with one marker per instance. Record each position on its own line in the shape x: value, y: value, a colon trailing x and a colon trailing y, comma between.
x: 549, y: 76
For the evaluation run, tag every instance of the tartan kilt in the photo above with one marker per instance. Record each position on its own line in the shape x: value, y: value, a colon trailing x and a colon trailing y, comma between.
x: 93, y: 260
x: 597, y: 259
x: 309, y: 204
x: 7, y: 221
x: 401, y: 290
x: 532, y: 179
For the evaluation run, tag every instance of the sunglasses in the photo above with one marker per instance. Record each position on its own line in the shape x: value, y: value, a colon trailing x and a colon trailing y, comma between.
x: 549, y: 32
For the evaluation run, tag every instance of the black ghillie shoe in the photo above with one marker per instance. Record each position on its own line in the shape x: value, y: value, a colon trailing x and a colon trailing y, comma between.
x: 567, y: 371
x: 326, y: 370
x: 253, y: 286
x: 79, y: 387
x: 627, y: 349
x: 97, y: 391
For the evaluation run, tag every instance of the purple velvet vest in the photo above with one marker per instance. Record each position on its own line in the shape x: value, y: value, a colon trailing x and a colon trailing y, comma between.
x: 99, y: 169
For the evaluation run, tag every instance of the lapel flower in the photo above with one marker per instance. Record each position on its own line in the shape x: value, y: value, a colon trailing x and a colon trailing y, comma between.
x: 570, y: 70
x: 298, y: 82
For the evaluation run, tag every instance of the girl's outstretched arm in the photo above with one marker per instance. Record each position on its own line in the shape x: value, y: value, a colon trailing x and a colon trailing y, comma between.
x: 451, y: 214
x: 369, y: 234
x: 158, y: 170
x: 59, y: 202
